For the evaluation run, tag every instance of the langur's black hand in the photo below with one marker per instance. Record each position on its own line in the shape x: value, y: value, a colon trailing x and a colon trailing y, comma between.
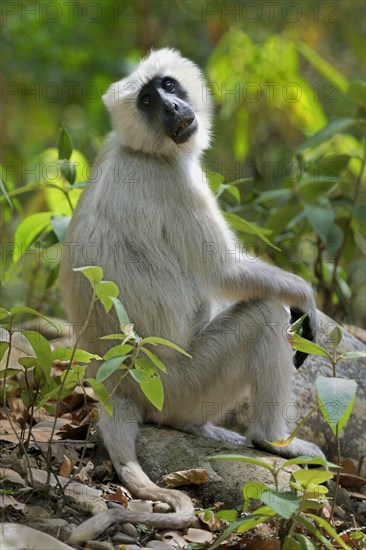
x: 300, y: 356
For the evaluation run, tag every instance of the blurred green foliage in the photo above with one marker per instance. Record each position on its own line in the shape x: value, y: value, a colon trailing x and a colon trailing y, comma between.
x: 288, y: 146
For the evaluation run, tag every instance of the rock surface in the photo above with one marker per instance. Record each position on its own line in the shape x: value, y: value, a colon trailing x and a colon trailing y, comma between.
x: 162, y: 450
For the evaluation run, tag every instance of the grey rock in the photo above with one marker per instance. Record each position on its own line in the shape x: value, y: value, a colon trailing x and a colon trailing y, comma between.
x: 57, y: 527
x: 162, y: 450
x: 159, y: 545
x: 162, y: 508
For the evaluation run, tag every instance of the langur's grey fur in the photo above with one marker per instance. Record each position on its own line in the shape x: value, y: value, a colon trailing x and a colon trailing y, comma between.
x: 149, y: 219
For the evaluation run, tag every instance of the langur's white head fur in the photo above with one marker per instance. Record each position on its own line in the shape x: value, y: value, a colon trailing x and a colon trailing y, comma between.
x: 130, y: 122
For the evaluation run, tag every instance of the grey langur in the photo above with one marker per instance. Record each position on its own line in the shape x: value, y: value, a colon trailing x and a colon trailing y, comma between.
x: 158, y: 233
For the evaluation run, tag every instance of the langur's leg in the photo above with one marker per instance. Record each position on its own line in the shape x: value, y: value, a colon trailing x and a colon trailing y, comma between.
x: 243, y: 349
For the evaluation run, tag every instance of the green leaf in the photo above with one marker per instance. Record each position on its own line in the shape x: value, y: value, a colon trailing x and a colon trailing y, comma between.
x: 4, y: 313
x: 315, y: 531
x: 42, y: 349
x: 336, y: 397
x: 320, y: 219
x: 59, y: 225
x: 335, y: 126
x: 68, y: 170
x: 252, y: 489
x: 284, y: 504
x: 304, y: 542
x: 121, y: 312
x: 113, y: 337
x: 120, y: 349
x: 28, y: 362
x: 154, y: 359
x: 109, y: 367
x: 28, y: 230
x: 146, y: 366
x: 227, y: 515
x: 4, y: 346
x: 243, y: 458
x: 311, y: 478
x: 155, y: 340
x: 105, y: 290
x: 335, y: 336
x: 243, y: 226
x: 258, y: 516
x: 8, y: 372
x: 353, y: 355
x: 64, y: 144
x: 102, y: 394
x: 332, y: 532
x: 93, y: 273
x: 154, y: 391
x: 301, y: 344
x: 300, y: 460
x: 80, y: 355
x: 25, y: 310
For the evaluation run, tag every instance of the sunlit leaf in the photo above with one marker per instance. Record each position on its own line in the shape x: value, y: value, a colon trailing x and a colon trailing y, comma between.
x: 109, y: 367
x: 284, y: 504
x: 155, y: 341
x: 105, y: 290
x: 28, y: 230
x: 42, y: 349
x: 59, y: 225
x: 91, y: 272
x: 336, y: 398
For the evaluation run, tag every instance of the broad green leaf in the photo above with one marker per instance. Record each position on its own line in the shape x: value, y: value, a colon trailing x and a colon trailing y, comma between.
x: 154, y: 391
x: 327, y: 527
x: 243, y: 458
x: 59, y: 225
x: 4, y: 346
x: 154, y: 359
x: 4, y: 313
x: 25, y: 310
x: 353, y: 355
x: 28, y: 230
x: 300, y: 460
x: 315, y: 531
x: 146, y: 366
x: 68, y: 170
x: 93, y: 273
x: 284, y: 504
x: 227, y: 515
x: 102, y: 394
x: 252, y: 489
x: 120, y: 349
x: 109, y: 367
x: 335, y: 336
x: 328, y: 165
x: 28, y: 362
x: 155, y: 340
x: 304, y: 542
x: 121, y: 312
x: 301, y: 344
x: 336, y: 397
x: 335, y: 126
x: 311, y: 478
x: 320, y: 219
x: 64, y: 144
x: 258, y: 516
x: 105, y: 290
x: 231, y: 528
x: 79, y: 356
x: 113, y: 337
x: 243, y: 226
x: 8, y: 372
x: 41, y: 348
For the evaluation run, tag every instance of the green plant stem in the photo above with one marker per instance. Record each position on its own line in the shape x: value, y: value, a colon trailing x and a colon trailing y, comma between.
x: 49, y: 449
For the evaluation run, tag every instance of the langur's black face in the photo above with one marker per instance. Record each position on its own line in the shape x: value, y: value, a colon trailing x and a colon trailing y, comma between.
x: 164, y: 103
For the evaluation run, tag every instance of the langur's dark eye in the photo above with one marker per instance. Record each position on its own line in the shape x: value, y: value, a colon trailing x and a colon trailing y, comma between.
x: 146, y: 100
x: 168, y: 85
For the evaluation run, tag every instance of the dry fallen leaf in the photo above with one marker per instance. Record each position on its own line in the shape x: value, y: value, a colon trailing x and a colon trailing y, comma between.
x: 10, y: 476
x: 67, y: 467
x: 350, y: 481
x: 84, y: 474
x: 8, y: 500
x: 119, y: 497
x: 14, y: 536
x: 186, y: 477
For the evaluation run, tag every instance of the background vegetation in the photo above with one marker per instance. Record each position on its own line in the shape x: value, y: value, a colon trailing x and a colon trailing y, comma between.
x: 288, y: 146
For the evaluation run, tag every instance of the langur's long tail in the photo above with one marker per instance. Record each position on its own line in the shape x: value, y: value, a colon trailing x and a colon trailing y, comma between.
x: 142, y: 487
